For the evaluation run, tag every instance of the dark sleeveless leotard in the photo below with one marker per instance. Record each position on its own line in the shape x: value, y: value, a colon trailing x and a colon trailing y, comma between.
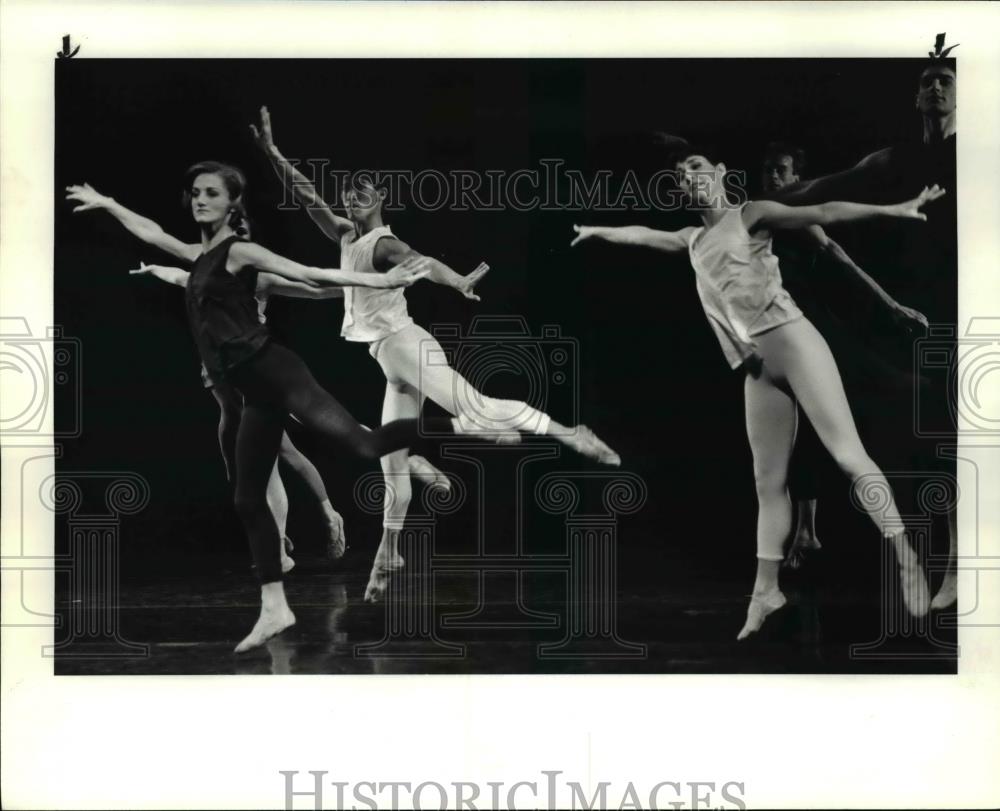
x: 222, y: 312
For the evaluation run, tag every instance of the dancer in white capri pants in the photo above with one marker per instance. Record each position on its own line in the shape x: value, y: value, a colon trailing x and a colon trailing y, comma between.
x: 785, y: 359
x: 413, y: 363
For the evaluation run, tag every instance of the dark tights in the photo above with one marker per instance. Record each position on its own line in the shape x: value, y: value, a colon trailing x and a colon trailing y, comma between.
x: 276, y: 383
x: 230, y: 407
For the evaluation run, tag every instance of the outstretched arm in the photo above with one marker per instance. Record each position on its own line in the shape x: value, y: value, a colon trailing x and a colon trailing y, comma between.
x: 297, y: 183
x: 243, y: 255
x: 142, y: 227
x: 769, y: 215
x: 902, y: 316
x: 667, y: 241
x: 390, y: 252
x: 847, y: 185
x: 167, y: 274
x: 267, y: 283
x: 270, y: 285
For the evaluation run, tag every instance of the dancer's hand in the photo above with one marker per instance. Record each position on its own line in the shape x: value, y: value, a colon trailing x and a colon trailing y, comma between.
x: 583, y: 232
x: 911, y: 208
x: 468, y: 283
x: 263, y: 136
x: 407, y: 272
x: 144, y: 269
x: 87, y: 196
x: 907, y: 318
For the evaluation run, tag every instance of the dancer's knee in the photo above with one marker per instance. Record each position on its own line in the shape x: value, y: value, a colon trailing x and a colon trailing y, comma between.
x: 249, y: 504
x: 364, y: 445
x: 771, y: 483
x: 515, y: 414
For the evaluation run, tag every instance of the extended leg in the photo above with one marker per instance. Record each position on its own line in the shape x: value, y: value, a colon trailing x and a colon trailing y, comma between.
x: 256, y: 452
x: 771, y: 417
x: 402, y: 401
x: 277, y: 503
x: 416, y: 357
x: 230, y: 407
x: 802, y: 355
x: 307, y: 472
x: 806, y: 458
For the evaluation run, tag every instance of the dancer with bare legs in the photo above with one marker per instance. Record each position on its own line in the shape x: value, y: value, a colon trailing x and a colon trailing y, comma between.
x: 785, y: 360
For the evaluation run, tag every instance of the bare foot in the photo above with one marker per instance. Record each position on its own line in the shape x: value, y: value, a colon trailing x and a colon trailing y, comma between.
x: 586, y: 442
x: 336, y: 540
x: 802, y: 548
x: 384, y: 567
x: 761, y: 606
x: 948, y: 593
x: 916, y: 594
x: 425, y: 472
x: 270, y: 623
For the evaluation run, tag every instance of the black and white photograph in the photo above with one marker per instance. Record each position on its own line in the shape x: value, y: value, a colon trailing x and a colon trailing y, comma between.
x: 365, y: 365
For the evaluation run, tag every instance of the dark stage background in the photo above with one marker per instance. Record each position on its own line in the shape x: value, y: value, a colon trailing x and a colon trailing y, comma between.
x: 653, y: 382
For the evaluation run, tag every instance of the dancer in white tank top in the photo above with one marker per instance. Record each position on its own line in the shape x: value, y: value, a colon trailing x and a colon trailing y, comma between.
x: 403, y: 349
x: 761, y: 329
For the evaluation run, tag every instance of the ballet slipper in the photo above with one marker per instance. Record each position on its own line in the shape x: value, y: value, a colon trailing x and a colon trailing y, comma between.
x: 947, y: 595
x: 760, y: 608
x: 270, y: 623
x: 287, y: 564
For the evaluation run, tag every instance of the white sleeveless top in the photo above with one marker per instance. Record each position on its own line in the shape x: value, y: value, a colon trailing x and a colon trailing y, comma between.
x: 739, y: 284
x: 370, y: 314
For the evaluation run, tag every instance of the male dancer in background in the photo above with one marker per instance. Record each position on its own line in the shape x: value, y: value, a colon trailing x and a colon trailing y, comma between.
x: 919, y: 264
x: 811, y: 263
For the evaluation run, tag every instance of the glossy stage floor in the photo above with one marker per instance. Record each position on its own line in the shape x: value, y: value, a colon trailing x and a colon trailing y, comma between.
x: 667, y: 615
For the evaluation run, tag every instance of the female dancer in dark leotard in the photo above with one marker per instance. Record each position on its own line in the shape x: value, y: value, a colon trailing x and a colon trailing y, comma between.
x: 274, y: 381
